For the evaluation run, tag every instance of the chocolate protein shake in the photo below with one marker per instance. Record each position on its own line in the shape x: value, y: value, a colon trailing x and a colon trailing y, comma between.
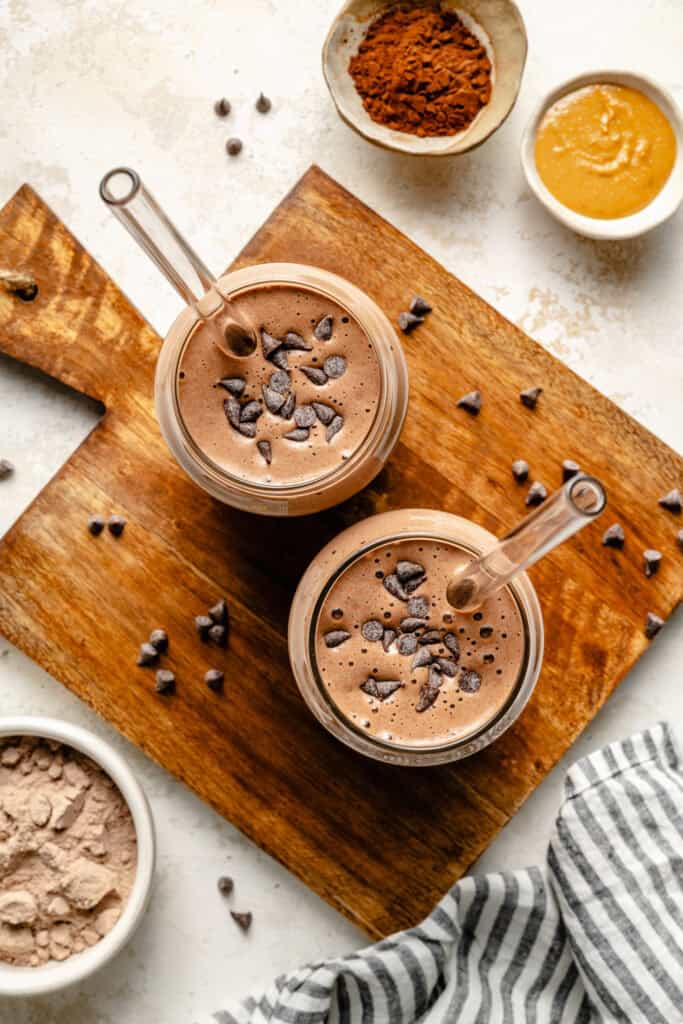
x: 397, y: 660
x: 297, y: 408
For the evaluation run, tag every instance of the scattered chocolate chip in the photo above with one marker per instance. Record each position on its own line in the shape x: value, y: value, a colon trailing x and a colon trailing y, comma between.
x: 418, y: 607
x: 117, y: 525
x: 304, y: 416
x: 672, y: 502
x: 407, y: 644
x: 427, y: 696
x: 393, y: 584
x: 410, y: 624
x: 6, y: 469
x: 337, y: 613
x: 269, y: 344
x: 388, y: 638
x: 653, y: 624
x: 225, y: 885
x: 420, y: 306
x: 409, y: 321
x: 149, y: 655
x: 251, y: 411
x: 530, y: 396
x: 448, y: 667
x: 569, y: 469
x: 679, y: 539
x: 423, y: 657
x: 380, y: 688
x: 165, y: 681
x: 218, y: 635
x: 299, y: 435
x: 614, y: 537
x: 323, y: 329
x: 288, y: 406
x: 450, y: 642
x: 335, y: 637
x: 469, y: 681
x: 203, y: 624
x: 273, y: 399
x: 280, y: 381
x: 470, y: 402
x: 334, y: 428
x: 243, y: 919
x: 372, y: 630
x: 158, y: 638
x: 279, y: 359
x: 233, y: 146
x: 266, y: 450
x: 335, y: 367
x: 652, y: 560
x: 486, y: 631
x: 247, y: 429
x: 263, y: 104
x: 432, y: 636
x: 315, y: 375
x: 219, y: 612
x: 520, y: 470
x: 409, y: 570
x: 235, y: 385
x: 214, y: 679
x: 233, y: 411
x: 295, y: 342
x: 325, y: 413
x: 96, y: 525
x: 434, y: 678
x: 222, y: 107
x: 536, y: 494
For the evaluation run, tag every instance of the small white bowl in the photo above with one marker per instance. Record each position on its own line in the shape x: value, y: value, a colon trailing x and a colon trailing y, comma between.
x: 34, y: 981
x: 499, y: 26
x: 664, y: 204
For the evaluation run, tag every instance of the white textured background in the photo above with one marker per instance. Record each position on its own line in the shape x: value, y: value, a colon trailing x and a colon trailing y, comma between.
x: 88, y: 84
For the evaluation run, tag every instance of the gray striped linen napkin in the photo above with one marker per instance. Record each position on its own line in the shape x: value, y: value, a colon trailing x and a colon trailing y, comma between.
x: 594, y: 936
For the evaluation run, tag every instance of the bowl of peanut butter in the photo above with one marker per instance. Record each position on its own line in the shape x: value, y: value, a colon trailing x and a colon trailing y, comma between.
x: 603, y: 152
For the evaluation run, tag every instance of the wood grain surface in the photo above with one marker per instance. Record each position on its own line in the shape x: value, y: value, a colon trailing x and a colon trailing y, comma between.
x: 379, y: 843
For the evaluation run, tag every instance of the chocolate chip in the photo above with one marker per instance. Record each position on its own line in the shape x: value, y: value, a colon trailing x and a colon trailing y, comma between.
x: 423, y: 657
x: 225, y: 885
x: 337, y: 613
x: 165, y: 681
x: 251, y: 411
x: 222, y: 107
x: 569, y: 469
x: 294, y: 341
x: 273, y: 399
x: 380, y: 688
x: 536, y: 494
x: 218, y: 635
x: 450, y: 642
x: 410, y: 624
x: 247, y: 429
x: 203, y: 624
x: 233, y: 147
x: 372, y: 630
x: 334, y: 428
x: 323, y: 329
x: 420, y: 306
x: 408, y: 322
x: 448, y: 667
x: 269, y: 344
x: 96, y: 525
x: 520, y: 470
x: 434, y: 678
x: 6, y: 469
x: 288, y: 406
x: 653, y: 624
x: 388, y: 638
x: 280, y: 381
x: 280, y: 359
x: 672, y: 502
x: 214, y: 679
x: 149, y: 655
x: 409, y: 570
x: 233, y: 411
x: 653, y: 560
x: 418, y: 607
x: 263, y: 104
x: 266, y: 450
x: 219, y: 612
x: 314, y: 374
x: 427, y: 696
x: 335, y: 367
x: 117, y: 525
x: 235, y: 385
x: 411, y: 585
x: 530, y: 396
x: 325, y: 413
x: 242, y: 919
x: 432, y: 636
x: 469, y: 681
x: 613, y: 537
x: 395, y: 587
x: 158, y: 638
x: 407, y: 644
x: 335, y: 637
x: 304, y: 416
x: 470, y: 402
x: 299, y: 435
x: 486, y: 632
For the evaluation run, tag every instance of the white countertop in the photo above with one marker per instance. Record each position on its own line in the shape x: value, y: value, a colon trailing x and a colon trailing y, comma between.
x: 89, y: 84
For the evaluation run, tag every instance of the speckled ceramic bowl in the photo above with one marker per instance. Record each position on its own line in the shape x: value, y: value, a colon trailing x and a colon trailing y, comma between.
x: 499, y: 26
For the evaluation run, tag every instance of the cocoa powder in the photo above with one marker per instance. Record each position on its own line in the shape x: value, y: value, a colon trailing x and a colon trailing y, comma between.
x: 420, y: 70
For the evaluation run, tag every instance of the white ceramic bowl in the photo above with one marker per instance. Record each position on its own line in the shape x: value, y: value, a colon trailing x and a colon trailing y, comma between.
x: 662, y: 206
x: 34, y: 981
x: 498, y: 24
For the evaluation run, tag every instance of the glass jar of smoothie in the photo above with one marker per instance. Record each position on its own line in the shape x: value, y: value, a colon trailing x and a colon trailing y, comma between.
x: 303, y: 414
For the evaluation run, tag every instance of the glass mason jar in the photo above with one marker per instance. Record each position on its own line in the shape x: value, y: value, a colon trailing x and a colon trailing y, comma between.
x: 328, y: 566
x: 314, y: 493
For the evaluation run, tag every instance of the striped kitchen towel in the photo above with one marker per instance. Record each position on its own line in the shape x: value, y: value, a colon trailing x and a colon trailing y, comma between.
x: 594, y: 937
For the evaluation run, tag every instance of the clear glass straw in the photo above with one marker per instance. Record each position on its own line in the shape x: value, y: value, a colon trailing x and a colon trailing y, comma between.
x: 570, y: 508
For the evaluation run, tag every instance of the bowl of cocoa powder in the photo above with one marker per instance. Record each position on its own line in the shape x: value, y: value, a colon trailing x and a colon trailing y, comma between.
x: 425, y: 77
x: 77, y: 854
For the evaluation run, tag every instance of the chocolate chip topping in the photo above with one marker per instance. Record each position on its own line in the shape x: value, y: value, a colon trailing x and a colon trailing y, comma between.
x: 247, y: 429
x: 409, y: 570
x: 251, y: 411
x: 288, y: 406
x: 299, y: 435
x: 388, y: 638
x: 280, y: 359
x: 530, y: 396
x: 395, y: 587
x: 269, y: 344
x: 406, y: 644
x: 380, y: 688
x: 233, y: 146
x: 334, y: 428
x: 418, y: 607
x: 469, y: 681
x: 158, y: 638
x: 653, y: 624
x: 335, y: 367
x: 117, y: 525
x: 149, y: 655
x: 323, y: 329
x: 434, y: 678
x: 218, y: 635
x: 214, y: 679
x: 427, y: 696
x: 225, y: 885
x: 315, y: 375
x: 325, y: 413
x: 263, y: 104
x: 219, y: 612
x: 520, y: 470
x: 569, y: 469
x: 233, y: 411
x: 450, y: 642
x: 470, y: 402
x: 6, y: 469
x: 335, y: 637
x: 410, y: 624
x: 222, y: 107
x: 203, y: 624
x: 273, y: 399
x: 242, y: 919
x: 234, y: 385
x: 652, y: 561
x: 422, y: 657
x: 372, y: 630
x: 672, y: 502
x: 420, y: 306
x: 165, y: 681
x: 614, y: 537
x: 448, y: 667
x: 304, y: 416
x: 536, y: 494
x: 266, y: 450
x: 96, y: 525
x: 295, y: 342
x: 280, y: 381
x: 409, y: 321
x: 431, y: 637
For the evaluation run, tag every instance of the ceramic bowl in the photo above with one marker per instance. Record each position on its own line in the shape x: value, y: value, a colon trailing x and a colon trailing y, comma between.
x: 499, y: 26
x: 662, y: 206
x: 34, y: 981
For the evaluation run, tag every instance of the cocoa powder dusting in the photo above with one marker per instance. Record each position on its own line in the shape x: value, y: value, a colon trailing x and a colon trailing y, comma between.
x: 420, y: 70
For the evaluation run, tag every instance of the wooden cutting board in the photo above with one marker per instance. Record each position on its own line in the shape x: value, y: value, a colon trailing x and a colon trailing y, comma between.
x: 379, y: 843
